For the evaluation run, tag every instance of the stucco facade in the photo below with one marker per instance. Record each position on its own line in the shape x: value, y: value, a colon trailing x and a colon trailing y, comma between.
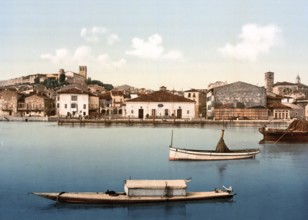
x: 73, y: 102
x: 8, y: 102
x: 36, y: 105
x: 160, y: 104
x: 200, y: 101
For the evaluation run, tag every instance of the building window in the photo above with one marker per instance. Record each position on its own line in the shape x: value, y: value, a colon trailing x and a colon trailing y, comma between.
x: 58, y: 105
x: 187, y: 112
x: 73, y: 105
x: 166, y: 112
x: 74, y: 97
x: 58, y: 98
x: 84, y: 106
x: 188, y: 95
x: 65, y: 106
x: 132, y: 111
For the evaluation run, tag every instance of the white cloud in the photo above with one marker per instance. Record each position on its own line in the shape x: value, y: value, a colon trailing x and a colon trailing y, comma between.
x: 95, y: 34
x: 254, y: 41
x: 81, y: 56
x: 60, y: 56
x: 112, y: 39
x: 173, y: 55
x: 119, y: 63
x: 152, y: 49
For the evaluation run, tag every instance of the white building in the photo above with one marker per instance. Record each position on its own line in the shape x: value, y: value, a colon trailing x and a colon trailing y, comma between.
x: 73, y: 102
x: 200, y: 101
x: 160, y: 104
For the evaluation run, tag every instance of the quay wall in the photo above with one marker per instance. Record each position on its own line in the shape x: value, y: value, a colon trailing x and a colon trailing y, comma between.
x: 127, y: 122
x: 150, y: 122
x: 24, y: 119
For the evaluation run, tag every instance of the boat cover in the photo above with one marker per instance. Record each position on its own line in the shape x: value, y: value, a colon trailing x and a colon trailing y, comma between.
x: 298, y: 125
x: 221, y: 147
x: 155, y: 184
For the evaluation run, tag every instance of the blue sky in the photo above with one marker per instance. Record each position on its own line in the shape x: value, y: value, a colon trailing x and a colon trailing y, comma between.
x: 179, y: 44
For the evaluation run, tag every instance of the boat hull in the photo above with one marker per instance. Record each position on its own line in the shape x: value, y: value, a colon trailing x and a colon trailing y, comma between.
x: 188, y: 154
x: 122, y: 198
x: 283, y: 136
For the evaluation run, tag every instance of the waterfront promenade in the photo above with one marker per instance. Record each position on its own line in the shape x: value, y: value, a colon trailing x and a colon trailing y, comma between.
x: 149, y: 122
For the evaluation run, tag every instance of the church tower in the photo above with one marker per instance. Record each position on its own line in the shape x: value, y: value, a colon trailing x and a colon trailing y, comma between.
x: 298, y: 79
x: 83, y: 71
x: 269, y: 81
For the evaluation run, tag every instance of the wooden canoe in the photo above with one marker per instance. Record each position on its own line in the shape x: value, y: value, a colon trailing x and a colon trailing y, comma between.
x: 122, y: 198
x: 190, y: 154
x: 222, y: 152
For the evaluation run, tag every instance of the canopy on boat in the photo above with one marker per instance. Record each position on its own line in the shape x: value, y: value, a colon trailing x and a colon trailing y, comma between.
x: 156, y: 184
x: 298, y: 125
x: 221, y: 147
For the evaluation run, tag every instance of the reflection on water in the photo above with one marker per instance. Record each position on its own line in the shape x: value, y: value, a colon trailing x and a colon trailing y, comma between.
x: 46, y: 157
x: 222, y: 168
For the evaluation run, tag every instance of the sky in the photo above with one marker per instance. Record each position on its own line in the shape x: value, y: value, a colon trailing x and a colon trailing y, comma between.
x: 147, y: 44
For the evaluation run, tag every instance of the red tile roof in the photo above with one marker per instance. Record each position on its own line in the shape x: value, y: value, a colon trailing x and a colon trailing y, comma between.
x: 73, y: 91
x: 277, y: 106
x: 160, y: 96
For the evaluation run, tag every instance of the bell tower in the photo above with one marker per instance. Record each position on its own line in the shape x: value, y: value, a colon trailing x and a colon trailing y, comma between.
x: 269, y: 81
x: 83, y: 71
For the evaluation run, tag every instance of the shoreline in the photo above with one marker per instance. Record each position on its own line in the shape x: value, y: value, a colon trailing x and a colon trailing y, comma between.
x: 149, y: 122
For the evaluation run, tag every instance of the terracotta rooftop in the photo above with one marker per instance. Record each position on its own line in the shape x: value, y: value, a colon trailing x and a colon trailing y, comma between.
x: 73, y: 91
x: 160, y: 96
x: 192, y: 90
x: 106, y: 96
x: 284, y: 83
x: 277, y: 106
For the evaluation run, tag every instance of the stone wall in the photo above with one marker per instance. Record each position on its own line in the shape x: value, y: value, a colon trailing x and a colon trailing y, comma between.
x: 240, y: 94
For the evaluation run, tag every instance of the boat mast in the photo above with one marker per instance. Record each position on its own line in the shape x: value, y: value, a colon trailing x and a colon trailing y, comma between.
x: 171, y: 139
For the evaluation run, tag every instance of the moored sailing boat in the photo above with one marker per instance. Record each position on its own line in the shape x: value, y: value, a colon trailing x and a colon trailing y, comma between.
x: 222, y: 152
x: 296, y: 132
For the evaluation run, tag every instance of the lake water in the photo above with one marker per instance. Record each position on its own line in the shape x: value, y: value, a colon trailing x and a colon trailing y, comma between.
x: 47, y: 157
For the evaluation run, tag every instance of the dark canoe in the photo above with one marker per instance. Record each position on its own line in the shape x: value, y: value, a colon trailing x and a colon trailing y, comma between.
x: 283, y: 136
x: 297, y: 132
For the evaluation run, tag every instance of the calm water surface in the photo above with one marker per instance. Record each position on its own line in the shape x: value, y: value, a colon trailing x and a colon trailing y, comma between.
x: 46, y: 157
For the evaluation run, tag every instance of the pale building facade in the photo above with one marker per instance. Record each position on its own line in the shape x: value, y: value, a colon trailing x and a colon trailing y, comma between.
x: 161, y: 104
x: 73, y: 102
x: 200, y: 101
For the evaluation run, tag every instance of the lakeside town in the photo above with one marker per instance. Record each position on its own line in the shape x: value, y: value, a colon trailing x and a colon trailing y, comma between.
x: 70, y: 95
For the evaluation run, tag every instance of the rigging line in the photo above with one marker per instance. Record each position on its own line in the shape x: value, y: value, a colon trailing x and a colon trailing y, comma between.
x: 280, y: 137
